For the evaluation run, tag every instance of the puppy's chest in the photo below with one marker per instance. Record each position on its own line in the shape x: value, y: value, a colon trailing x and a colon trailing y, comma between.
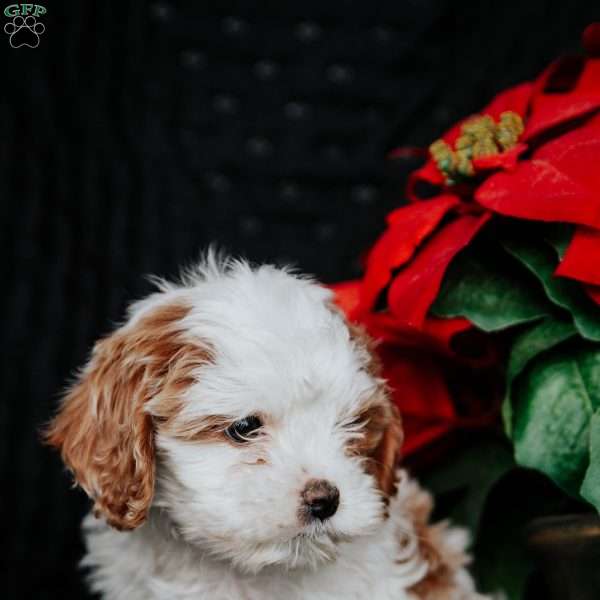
x: 367, y: 574
x: 148, y: 570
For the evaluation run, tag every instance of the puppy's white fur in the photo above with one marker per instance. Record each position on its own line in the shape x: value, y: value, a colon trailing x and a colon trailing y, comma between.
x: 225, y: 520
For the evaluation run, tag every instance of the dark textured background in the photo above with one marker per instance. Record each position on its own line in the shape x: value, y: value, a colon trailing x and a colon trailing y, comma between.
x: 138, y: 132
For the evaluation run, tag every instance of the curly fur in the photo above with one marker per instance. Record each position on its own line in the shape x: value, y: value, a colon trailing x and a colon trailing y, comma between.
x: 144, y: 432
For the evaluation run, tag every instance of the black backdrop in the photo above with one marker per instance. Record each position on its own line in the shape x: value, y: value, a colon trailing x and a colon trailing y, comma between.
x: 138, y: 132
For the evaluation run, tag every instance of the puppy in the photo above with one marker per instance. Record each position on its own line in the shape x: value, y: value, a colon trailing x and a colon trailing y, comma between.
x: 238, y: 443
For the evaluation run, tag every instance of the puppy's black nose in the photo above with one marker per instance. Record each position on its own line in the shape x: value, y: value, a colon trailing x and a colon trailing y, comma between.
x: 321, y: 499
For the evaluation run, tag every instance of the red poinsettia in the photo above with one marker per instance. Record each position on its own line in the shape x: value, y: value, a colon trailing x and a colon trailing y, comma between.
x: 531, y: 154
x: 418, y: 363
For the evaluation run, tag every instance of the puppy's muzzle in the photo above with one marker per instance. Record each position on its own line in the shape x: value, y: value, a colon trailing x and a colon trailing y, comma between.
x: 320, y: 499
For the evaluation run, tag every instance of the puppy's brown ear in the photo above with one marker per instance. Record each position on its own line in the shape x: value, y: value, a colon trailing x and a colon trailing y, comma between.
x: 102, y: 431
x: 386, y: 454
x: 384, y: 457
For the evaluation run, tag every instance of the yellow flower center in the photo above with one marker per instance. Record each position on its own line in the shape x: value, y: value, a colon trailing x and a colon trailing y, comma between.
x: 479, y: 136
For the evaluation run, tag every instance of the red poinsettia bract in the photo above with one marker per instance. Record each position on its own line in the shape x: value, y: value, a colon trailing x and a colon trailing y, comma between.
x: 550, y: 174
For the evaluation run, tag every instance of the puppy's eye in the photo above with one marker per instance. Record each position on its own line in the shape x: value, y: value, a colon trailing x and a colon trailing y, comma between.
x: 357, y: 422
x: 371, y: 421
x: 244, y: 430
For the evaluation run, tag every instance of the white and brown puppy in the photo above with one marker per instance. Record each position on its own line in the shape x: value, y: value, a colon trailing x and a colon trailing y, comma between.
x: 238, y: 443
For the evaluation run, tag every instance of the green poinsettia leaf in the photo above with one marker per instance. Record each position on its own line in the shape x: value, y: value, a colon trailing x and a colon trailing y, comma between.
x: 566, y: 294
x: 553, y: 400
x: 463, y: 480
x: 503, y: 562
x: 462, y: 484
x: 590, y: 489
x: 589, y: 365
x: 536, y: 340
x: 559, y: 236
x: 531, y: 343
x: 492, y: 294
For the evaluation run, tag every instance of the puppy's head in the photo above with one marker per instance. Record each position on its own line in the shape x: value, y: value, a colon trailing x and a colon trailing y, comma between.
x: 242, y: 405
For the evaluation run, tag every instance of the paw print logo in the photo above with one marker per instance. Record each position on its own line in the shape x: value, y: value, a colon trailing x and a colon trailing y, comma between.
x: 24, y: 31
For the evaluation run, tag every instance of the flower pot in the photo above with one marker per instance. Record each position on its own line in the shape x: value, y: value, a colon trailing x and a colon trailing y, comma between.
x: 567, y: 549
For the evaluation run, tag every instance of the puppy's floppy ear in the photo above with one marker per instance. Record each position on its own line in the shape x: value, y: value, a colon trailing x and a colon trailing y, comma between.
x: 387, y: 452
x: 384, y: 457
x: 102, y: 430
